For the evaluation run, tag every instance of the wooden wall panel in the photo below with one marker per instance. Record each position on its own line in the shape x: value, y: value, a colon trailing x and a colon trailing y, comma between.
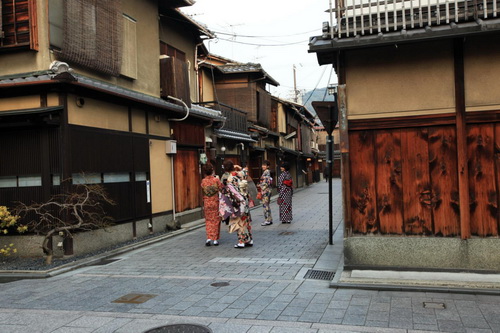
x: 389, y: 181
x: 363, y: 193
x: 187, y: 180
x: 444, y: 180
x: 417, y: 192
x: 482, y: 181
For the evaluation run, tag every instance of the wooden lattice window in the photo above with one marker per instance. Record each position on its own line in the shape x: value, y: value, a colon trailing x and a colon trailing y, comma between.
x: 18, y: 25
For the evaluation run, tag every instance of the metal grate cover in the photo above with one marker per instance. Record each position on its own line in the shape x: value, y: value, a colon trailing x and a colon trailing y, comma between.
x: 220, y: 284
x: 286, y: 233
x: 180, y: 328
x: 319, y: 275
x: 434, y: 305
x: 134, y: 298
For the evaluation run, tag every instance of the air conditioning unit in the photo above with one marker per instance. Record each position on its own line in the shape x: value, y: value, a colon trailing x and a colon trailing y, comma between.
x: 171, y: 147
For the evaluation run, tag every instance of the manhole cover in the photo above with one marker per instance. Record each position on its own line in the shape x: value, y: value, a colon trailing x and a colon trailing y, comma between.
x: 319, y: 275
x: 287, y: 233
x: 104, y: 262
x: 134, y: 298
x: 220, y: 284
x: 181, y: 328
x: 434, y: 305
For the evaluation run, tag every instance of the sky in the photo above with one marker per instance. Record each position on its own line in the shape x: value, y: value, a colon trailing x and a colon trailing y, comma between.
x: 287, y: 25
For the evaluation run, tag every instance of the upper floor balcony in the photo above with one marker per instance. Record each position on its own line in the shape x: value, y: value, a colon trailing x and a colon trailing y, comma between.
x: 366, y: 17
x: 236, y: 119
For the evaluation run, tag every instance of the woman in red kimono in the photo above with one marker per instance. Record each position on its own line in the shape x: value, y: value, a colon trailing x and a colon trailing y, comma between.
x: 211, y: 187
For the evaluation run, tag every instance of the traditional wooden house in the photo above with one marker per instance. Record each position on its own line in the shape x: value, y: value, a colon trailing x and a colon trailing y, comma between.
x: 249, y: 135
x: 419, y: 120
x: 81, y: 90
x: 297, y: 141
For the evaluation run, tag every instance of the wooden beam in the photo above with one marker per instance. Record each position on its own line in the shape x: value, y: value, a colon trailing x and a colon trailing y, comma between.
x: 344, y: 151
x: 463, y: 169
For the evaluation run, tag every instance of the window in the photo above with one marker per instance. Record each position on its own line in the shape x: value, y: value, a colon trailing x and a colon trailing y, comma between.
x: 129, y: 59
x: 140, y: 177
x: 9, y: 181
x: 56, y: 180
x: 88, y: 33
x: 28, y: 181
x: 18, y: 26
x: 88, y: 178
x: 20, y: 181
x: 171, y: 51
x: 174, y: 74
x: 116, y: 177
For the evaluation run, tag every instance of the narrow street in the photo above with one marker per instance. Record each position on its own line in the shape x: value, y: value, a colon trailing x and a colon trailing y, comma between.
x: 257, y: 289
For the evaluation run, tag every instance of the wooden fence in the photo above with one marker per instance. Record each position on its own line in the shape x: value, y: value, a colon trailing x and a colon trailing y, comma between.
x: 404, y: 180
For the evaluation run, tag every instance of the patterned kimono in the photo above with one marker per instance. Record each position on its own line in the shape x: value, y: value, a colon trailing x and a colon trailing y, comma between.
x: 233, y: 207
x: 211, y: 187
x: 265, y: 187
x: 285, y: 188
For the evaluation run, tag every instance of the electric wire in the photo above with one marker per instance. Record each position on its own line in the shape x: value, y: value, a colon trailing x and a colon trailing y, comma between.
x: 261, y: 45
x: 316, y: 87
x: 329, y: 80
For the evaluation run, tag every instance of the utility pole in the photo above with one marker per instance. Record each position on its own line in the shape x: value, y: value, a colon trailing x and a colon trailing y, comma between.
x: 295, y: 91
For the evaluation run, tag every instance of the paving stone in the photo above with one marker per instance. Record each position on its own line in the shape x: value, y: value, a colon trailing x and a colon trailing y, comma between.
x: 269, y: 315
x: 450, y: 325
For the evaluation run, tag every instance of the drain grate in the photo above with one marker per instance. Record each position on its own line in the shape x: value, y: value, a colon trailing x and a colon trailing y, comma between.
x: 319, y: 275
x: 434, y: 305
x: 180, y: 328
x: 220, y: 284
x: 104, y: 262
x: 134, y: 298
x: 286, y: 233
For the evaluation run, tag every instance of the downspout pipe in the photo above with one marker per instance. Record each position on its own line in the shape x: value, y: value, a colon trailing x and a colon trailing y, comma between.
x: 185, y: 106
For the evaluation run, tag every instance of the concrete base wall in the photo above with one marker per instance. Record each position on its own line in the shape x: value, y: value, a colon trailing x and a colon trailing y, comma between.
x: 90, y: 241
x: 189, y: 215
x: 474, y: 254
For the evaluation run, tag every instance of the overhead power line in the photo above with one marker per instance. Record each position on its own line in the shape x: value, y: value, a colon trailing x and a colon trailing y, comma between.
x: 250, y: 36
x: 256, y: 44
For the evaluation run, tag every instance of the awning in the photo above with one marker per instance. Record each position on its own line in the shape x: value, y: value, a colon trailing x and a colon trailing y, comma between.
x: 308, y: 155
x: 30, y: 111
x: 232, y: 135
x: 290, y: 151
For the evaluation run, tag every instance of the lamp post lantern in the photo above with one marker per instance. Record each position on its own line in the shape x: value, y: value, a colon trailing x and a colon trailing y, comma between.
x: 328, y: 114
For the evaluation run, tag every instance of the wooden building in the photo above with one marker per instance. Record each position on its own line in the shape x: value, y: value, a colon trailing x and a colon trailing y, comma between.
x: 249, y: 135
x: 84, y: 105
x: 419, y: 121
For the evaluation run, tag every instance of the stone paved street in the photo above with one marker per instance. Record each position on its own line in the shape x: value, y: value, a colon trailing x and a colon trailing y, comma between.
x: 266, y: 289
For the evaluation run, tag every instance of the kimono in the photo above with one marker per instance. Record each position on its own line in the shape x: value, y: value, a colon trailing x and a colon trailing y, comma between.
x: 285, y: 188
x: 211, y: 187
x: 265, y: 188
x: 234, y: 206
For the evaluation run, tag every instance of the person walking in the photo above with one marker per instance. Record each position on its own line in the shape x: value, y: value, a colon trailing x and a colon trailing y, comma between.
x: 285, y: 189
x: 233, y: 205
x: 265, y: 183
x: 211, y: 187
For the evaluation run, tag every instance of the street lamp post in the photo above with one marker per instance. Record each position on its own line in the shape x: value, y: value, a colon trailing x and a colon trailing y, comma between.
x: 328, y: 114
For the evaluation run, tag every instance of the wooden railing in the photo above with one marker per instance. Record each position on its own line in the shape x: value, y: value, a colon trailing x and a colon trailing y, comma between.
x: 367, y: 17
x: 236, y: 119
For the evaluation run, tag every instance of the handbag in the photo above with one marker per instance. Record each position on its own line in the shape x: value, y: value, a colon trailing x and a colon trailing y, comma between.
x: 251, y: 203
x: 259, y: 196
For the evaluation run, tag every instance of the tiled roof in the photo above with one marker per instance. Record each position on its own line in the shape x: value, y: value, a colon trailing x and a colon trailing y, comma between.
x: 84, y: 81
x: 235, y: 68
x: 232, y: 135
